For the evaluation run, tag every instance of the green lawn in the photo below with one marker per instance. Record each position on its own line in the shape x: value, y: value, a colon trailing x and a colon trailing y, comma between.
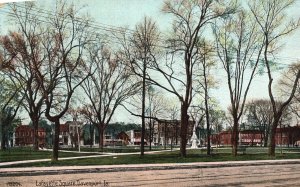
x: 117, y: 149
x: 26, y: 153
x: 166, y: 157
x: 198, y: 155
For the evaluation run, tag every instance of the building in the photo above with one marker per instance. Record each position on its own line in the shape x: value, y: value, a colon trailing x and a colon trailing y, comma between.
x: 68, y: 133
x: 167, y: 132
x: 287, y: 136
x: 24, y: 136
x: 73, y: 132
x: 64, y: 134
x: 124, y: 137
x: 250, y: 137
x: 135, y: 137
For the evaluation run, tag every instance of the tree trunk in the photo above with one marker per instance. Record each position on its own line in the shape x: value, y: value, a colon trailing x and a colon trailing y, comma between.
x: 101, y: 138
x: 4, y: 130
x: 56, y: 140
x: 3, y: 142
x: 266, y: 138
x: 176, y: 133
x: 235, y: 137
x: 91, y: 136
x: 150, y: 134
x: 271, y: 142
x: 159, y: 129
x: 165, y: 142
x: 206, y: 106
x: 207, y: 123
x: 35, y: 123
x: 183, y: 130
x: 143, y: 108
x: 2, y: 138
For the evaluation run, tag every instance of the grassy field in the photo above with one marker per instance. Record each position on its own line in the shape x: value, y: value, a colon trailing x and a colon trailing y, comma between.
x: 117, y: 149
x: 220, y: 154
x: 26, y: 153
x: 166, y: 157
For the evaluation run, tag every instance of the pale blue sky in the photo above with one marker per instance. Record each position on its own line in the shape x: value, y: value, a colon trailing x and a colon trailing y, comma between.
x: 124, y: 13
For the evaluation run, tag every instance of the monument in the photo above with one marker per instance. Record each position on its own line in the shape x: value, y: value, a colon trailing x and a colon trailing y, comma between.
x: 194, y: 139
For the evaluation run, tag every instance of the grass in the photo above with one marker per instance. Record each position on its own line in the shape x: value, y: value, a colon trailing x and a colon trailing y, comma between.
x: 116, y: 149
x: 26, y: 153
x: 222, y: 154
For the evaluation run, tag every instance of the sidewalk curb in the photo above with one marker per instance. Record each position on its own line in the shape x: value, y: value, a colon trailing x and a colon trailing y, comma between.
x: 36, y: 171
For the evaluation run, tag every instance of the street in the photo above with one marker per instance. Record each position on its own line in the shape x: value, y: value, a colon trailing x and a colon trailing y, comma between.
x: 265, y: 175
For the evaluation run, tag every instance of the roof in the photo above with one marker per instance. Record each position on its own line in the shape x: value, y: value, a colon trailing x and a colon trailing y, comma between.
x: 250, y: 131
x: 23, y: 128
x: 175, y: 121
x: 122, y: 133
x: 28, y: 128
x: 64, y: 128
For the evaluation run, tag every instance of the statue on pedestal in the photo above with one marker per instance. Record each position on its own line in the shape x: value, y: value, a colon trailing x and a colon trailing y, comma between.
x: 194, y: 139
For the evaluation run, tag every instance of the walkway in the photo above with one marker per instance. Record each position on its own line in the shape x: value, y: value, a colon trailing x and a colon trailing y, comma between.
x: 35, y: 171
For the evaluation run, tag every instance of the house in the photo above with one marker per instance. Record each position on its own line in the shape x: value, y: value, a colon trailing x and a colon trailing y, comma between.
x: 135, y: 137
x: 71, y: 131
x: 64, y: 135
x: 124, y: 137
x: 167, y: 132
x: 68, y: 133
x: 24, y: 136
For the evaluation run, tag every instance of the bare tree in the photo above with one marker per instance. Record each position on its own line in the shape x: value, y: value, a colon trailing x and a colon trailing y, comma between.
x: 197, y: 114
x: 156, y: 109
x: 270, y: 16
x: 190, y: 20
x: 24, y: 48
x: 62, y: 72
x: 259, y: 114
x: 108, y: 87
x: 239, y: 47
x: 191, y: 17
x: 141, y: 51
x: 285, y: 83
x: 205, y: 81
x: 75, y: 113
x: 217, y: 121
x: 6, y: 59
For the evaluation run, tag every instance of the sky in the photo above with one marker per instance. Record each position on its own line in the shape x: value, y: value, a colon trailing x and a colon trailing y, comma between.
x: 127, y: 13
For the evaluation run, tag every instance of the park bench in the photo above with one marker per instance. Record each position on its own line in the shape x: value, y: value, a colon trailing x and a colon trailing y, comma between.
x: 241, y: 149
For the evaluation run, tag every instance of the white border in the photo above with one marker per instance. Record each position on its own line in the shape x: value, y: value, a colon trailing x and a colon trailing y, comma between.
x: 10, y: 1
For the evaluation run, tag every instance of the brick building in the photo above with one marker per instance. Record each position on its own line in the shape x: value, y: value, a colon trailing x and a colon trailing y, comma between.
x: 24, y: 136
x: 64, y: 134
x: 288, y: 136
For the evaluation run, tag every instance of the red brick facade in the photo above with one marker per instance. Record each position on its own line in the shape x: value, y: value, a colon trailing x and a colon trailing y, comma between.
x: 24, y: 136
x: 284, y: 136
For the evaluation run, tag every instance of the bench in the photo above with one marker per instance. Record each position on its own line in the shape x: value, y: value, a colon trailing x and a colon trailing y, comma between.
x: 242, y: 149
